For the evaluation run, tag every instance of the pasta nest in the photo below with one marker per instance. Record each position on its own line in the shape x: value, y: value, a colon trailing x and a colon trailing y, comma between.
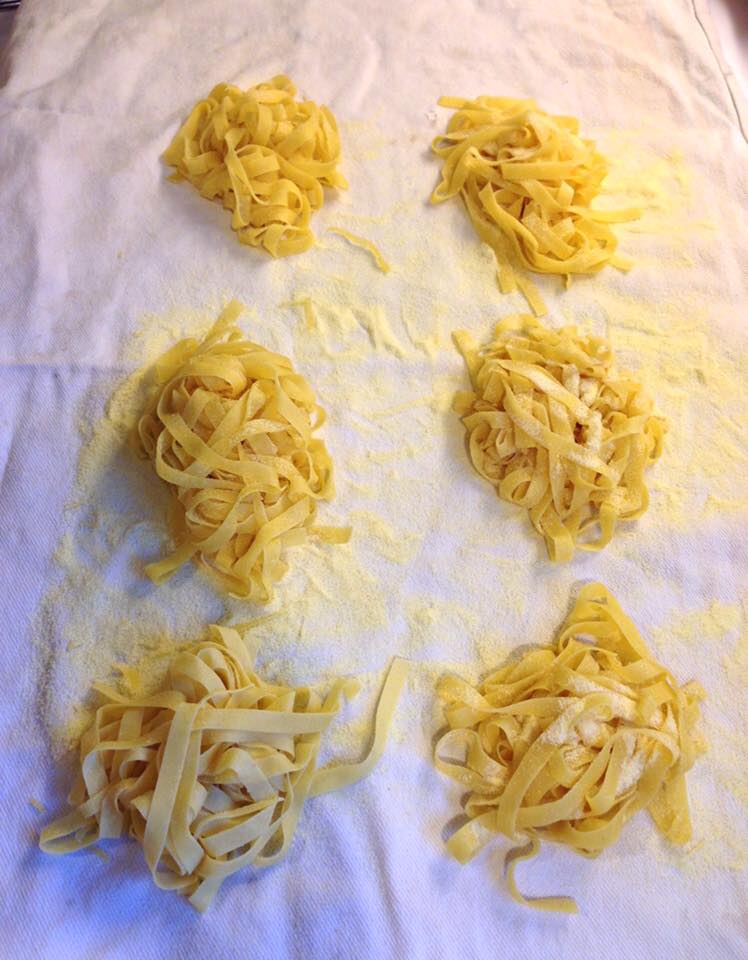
x: 528, y: 181
x: 567, y: 744
x: 231, y: 430
x: 556, y: 429
x: 209, y: 774
x: 265, y: 156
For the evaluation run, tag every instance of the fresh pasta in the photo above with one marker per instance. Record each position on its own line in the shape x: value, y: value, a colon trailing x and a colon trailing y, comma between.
x: 364, y: 244
x: 211, y: 773
x: 567, y: 744
x: 265, y: 156
x: 231, y: 430
x: 556, y: 429
x: 528, y: 181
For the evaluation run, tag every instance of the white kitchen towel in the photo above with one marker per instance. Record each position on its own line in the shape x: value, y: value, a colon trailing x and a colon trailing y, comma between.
x: 103, y: 262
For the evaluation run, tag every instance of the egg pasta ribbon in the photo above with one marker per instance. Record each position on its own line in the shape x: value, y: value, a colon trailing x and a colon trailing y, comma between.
x: 209, y: 774
x: 567, y: 743
x: 556, y: 429
x: 266, y: 156
x: 528, y: 181
x: 231, y: 430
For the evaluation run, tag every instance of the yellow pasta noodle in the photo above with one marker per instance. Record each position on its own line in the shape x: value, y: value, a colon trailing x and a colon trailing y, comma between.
x: 231, y: 430
x: 364, y: 244
x: 209, y: 774
x: 265, y: 156
x: 556, y: 429
x: 528, y: 181
x: 567, y: 744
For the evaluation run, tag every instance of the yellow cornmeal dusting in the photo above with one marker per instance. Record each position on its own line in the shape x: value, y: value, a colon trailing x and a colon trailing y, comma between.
x: 701, y: 626
x: 700, y: 377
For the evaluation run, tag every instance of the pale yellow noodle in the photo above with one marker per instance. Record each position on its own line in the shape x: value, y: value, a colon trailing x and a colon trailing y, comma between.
x: 209, y: 774
x: 556, y: 429
x: 265, y: 156
x: 364, y: 244
x: 567, y: 744
x: 231, y: 430
x: 528, y: 181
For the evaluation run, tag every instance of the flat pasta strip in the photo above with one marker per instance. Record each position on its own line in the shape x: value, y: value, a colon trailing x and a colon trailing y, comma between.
x: 556, y: 429
x: 364, y: 244
x: 568, y: 743
x: 528, y: 181
x: 211, y: 773
x: 265, y: 156
x: 231, y: 430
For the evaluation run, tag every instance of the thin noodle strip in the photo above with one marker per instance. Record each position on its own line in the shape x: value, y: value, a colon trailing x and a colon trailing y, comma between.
x: 364, y: 244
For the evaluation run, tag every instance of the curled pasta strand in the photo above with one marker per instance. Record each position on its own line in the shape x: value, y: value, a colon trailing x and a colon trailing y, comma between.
x: 209, y: 775
x: 556, y: 429
x: 266, y: 156
x: 231, y: 430
x: 568, y: 743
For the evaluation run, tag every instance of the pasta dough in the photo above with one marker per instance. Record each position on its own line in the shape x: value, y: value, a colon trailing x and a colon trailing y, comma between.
x: 231, y: 430
x: 557, y: 430
x: 567, y: 744
x: 265, y: 156
x: 528, y: 181
x: 211, y: 773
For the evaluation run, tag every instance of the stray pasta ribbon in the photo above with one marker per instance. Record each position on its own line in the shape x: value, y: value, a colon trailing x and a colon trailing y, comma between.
x: 365, y: 244
x: 568, y: 743
x: 231, y: 430
x: 556, y: 429
x: 528, y: 181
x: 265, y: 156
x: 211, y: 773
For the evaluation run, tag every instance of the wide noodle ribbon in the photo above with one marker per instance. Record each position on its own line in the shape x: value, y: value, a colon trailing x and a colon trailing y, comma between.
x: 211, y: 773
x: 567, y: 744
x: 265, y: 156
x: 231, y: 430
x: 556, y: 429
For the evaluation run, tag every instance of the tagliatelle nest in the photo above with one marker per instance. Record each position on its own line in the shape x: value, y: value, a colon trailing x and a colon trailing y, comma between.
x: 528, y: 181
x: 211, y: 773
x: 556, y: 429
x: 567, y: 744
x: 231, y: 430
x: 265, y: 156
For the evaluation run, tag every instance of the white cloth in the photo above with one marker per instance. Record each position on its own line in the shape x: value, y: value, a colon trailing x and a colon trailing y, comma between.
x: 94, y: 238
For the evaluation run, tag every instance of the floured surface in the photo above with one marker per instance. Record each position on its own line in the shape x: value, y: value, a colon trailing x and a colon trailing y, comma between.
x: 105, y: 264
